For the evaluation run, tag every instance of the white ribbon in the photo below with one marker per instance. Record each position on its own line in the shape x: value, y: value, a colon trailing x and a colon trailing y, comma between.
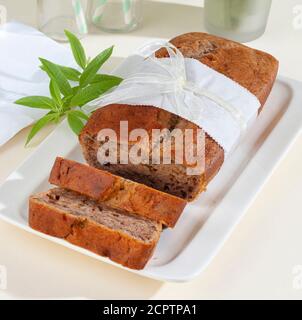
x: 169, y: 77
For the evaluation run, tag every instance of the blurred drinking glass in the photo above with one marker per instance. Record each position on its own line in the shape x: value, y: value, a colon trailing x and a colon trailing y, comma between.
x: 54, y: 16
x: 116, y: 15
x: 239, y: 20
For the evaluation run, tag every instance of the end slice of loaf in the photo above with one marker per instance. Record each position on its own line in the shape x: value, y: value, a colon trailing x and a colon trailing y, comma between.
x: 253, y: 69
x: 117, y: 192
x: 124, y: 238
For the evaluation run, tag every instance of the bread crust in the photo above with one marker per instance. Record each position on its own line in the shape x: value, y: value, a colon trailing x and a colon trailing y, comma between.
x: 253, y: 69
x: 84, y: 232
x: 117, y: 192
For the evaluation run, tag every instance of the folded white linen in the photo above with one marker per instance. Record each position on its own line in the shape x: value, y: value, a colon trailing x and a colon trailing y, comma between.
x: 20, y: 75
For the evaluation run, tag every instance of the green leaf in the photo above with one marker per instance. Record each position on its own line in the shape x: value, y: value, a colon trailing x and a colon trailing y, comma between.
x: 66, y: 103
x: 39, y: 102
x: 76, y: 89
x: 70, y: 73
x: 89, y: 86
x: 75, y: 123
x: 57, y: 75
x: 55, y: 92
x: 77, y: 49
x: 39, y: 125
x: 106, y: 77
x: 94, y: 66
x: 91, y: 92
x: 80, y: 114
x: 66, y: 100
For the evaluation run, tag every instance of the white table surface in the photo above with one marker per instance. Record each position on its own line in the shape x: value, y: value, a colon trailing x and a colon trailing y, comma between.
x: 258, y: 259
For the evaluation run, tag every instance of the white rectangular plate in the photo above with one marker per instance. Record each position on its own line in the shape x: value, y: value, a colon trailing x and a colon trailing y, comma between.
x: 185, y: 251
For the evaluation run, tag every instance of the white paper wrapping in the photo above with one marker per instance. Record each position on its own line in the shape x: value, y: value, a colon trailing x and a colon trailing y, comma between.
x: 188, y: 88
x: 20, y: 75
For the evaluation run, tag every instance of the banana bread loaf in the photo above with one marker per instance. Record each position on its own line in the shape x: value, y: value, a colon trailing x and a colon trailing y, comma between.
x: 255, y: 70
x: 124, y: 238
x: 117, y: 192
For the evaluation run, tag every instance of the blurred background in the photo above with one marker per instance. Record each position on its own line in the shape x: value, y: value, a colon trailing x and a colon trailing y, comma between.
x: 168, y: 18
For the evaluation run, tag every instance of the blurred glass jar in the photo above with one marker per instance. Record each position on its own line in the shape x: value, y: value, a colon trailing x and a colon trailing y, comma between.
x: 54, y: 16
x: 239, y: 20
x: 116, y: 15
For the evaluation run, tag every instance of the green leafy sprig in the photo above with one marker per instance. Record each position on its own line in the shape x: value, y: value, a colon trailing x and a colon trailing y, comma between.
x: 70, y: 89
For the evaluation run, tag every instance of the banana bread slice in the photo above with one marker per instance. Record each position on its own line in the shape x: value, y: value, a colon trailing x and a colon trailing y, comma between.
x: 253, y: 69
x: 117, y: 192
x: 124, y: 238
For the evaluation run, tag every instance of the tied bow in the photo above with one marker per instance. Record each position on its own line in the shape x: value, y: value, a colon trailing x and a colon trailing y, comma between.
x: 171, y: 79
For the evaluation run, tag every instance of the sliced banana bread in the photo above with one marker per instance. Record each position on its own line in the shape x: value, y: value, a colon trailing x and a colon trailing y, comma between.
x: 124, y: 238
x: 117, y: 192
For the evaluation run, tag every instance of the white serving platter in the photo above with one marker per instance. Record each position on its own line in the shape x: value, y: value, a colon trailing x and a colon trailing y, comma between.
x: 185, y: 251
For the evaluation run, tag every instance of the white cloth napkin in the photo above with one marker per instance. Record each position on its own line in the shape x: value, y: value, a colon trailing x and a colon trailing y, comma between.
x: 20, y: 75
